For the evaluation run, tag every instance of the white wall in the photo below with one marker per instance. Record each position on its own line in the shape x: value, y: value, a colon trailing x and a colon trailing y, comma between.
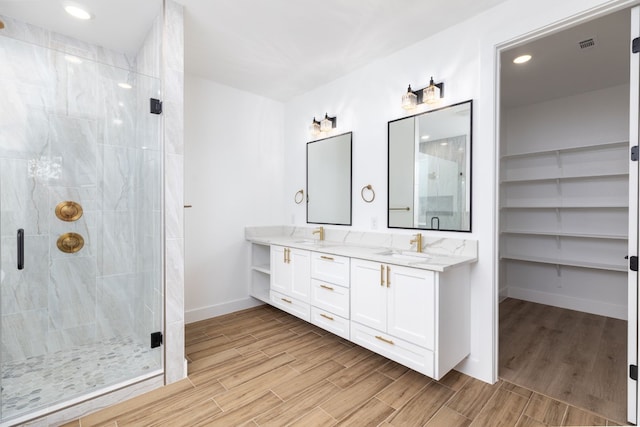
x: 464, y: 57
x: 234, y: 177
x: 589, y: 118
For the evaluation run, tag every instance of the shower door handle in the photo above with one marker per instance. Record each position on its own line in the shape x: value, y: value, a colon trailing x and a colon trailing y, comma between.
x: 20, y: 249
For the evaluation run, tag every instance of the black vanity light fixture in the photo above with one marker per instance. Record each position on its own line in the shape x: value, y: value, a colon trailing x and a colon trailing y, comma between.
x: 324, y: 125
x: 428, y: 95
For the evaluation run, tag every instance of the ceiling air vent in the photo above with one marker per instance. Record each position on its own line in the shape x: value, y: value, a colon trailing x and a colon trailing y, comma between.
x: 586, y: 44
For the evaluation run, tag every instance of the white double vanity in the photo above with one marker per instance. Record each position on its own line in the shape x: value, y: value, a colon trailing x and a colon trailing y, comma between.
x: 373, y: 289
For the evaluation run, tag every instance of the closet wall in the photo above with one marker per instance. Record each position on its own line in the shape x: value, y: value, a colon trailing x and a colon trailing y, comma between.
x: 564, y: 202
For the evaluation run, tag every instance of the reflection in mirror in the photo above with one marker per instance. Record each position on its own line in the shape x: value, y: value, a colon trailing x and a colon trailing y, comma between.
x: 329, y: 180
x: 430, y: 170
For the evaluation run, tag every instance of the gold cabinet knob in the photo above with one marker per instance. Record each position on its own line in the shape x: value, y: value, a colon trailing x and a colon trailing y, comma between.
x: 70, y: 243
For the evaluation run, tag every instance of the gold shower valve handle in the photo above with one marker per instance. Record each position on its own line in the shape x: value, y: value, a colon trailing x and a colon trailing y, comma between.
x: 68, y: 211
x: 70, y: 243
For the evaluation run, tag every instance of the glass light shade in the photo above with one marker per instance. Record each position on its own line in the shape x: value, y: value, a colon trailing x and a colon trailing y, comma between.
x: 431, y: 94
x: 409, y: 100
x: 326, y: 124
x: 314, y: 127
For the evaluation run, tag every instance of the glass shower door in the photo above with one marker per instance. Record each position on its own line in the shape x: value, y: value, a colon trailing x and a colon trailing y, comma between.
x: 81, y: 175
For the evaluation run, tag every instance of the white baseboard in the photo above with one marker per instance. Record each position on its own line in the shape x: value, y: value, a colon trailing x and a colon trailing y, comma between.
x: 208, y: 312
x: 476, y: 369
x: 571, y: 303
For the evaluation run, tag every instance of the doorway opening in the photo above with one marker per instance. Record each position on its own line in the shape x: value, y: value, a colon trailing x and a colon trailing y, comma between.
x: 564, y: 215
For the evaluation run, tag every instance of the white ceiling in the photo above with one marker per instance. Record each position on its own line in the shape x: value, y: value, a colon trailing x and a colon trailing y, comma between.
x: 282, y: 48
x: 560, y: 68
x: 119, y: 25
x: 276, y: 48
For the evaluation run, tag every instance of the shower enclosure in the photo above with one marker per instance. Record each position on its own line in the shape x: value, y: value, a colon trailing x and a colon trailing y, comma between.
x: 81, y: 254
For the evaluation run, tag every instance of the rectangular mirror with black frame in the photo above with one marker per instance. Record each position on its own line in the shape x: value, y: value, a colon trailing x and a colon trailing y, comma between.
x: 329, y: 180
x: 429, y: 169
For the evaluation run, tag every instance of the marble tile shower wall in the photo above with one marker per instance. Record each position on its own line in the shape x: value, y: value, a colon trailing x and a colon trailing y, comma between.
x: 68, y: 132
x: 173, y: 72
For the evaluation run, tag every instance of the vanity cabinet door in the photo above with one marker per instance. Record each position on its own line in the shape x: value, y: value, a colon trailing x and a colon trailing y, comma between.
x: 369, y: 294
x: 291, y: 272
x: 300, y: 261
x: 411, y: 305
x: 281, y: 271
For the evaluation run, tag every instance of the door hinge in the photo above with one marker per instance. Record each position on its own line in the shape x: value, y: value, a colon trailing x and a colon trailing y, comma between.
x: 156, y: 339
x: 634, y: 153
x: 633, y: 372
x: 633, y: 263
x: 156, y: 106
x: 635, y: 45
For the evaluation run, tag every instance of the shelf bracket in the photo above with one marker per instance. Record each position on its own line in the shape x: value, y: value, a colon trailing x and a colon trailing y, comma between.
x: 559, y: 272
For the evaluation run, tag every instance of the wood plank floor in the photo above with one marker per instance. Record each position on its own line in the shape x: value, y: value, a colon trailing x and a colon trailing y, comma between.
x: 263, y: 367
x: 575, y: 357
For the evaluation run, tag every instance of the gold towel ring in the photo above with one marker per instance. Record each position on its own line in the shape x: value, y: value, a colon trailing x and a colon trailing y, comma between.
x: 297, y: 199
x: 373, y: 193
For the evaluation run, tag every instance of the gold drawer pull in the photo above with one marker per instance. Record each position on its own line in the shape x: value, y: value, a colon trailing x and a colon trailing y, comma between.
x: 382, y: 275
x: 328, y: 258
x: 326, y: 287
x: 286, y: 300
x: 326, y: 317
x: 388, y: 277
x: 384, y: 340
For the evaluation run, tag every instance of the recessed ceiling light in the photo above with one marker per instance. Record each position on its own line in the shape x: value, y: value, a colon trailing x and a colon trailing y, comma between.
x: 424, y: 137
x: 444, y: 143
x: 77, y: 12
x: 125, y: 85
x: 522, y: 59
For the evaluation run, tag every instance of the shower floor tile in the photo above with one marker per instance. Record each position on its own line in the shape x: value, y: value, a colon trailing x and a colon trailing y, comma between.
x: 41, y: 381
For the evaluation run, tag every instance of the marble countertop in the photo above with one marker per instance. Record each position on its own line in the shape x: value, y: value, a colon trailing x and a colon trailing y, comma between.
x: 446, y: 254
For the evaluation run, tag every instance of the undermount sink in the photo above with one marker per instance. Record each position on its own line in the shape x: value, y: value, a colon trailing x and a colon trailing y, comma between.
x: 309, y: 242
x: 406, y: 255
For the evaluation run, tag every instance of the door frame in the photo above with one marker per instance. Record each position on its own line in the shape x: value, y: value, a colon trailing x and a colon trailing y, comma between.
x: 609, y: 8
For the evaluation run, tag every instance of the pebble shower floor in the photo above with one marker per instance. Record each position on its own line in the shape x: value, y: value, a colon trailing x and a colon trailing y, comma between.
x: 40, y: 381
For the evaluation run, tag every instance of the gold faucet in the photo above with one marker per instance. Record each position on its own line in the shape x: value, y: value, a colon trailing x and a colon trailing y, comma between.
x: 418, y: 242
x: 320, y: 231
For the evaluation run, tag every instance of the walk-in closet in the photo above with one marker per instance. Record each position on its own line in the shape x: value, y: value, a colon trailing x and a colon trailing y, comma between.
x: 564, y: 215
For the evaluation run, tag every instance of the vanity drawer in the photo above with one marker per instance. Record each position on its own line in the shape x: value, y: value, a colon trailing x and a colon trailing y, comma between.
x: 331, y: 322
x: 330, y: 297
x: 403, y: 352
x: 290, y: 305
x: 330, y: 268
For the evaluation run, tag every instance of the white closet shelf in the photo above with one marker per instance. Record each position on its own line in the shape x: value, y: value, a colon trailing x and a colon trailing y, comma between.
x: 566, y: 204
x: 567, y: 234
x: 262, y: 268
x: 565, y: 177
x: 571, y: 263
x: 568, y: 149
